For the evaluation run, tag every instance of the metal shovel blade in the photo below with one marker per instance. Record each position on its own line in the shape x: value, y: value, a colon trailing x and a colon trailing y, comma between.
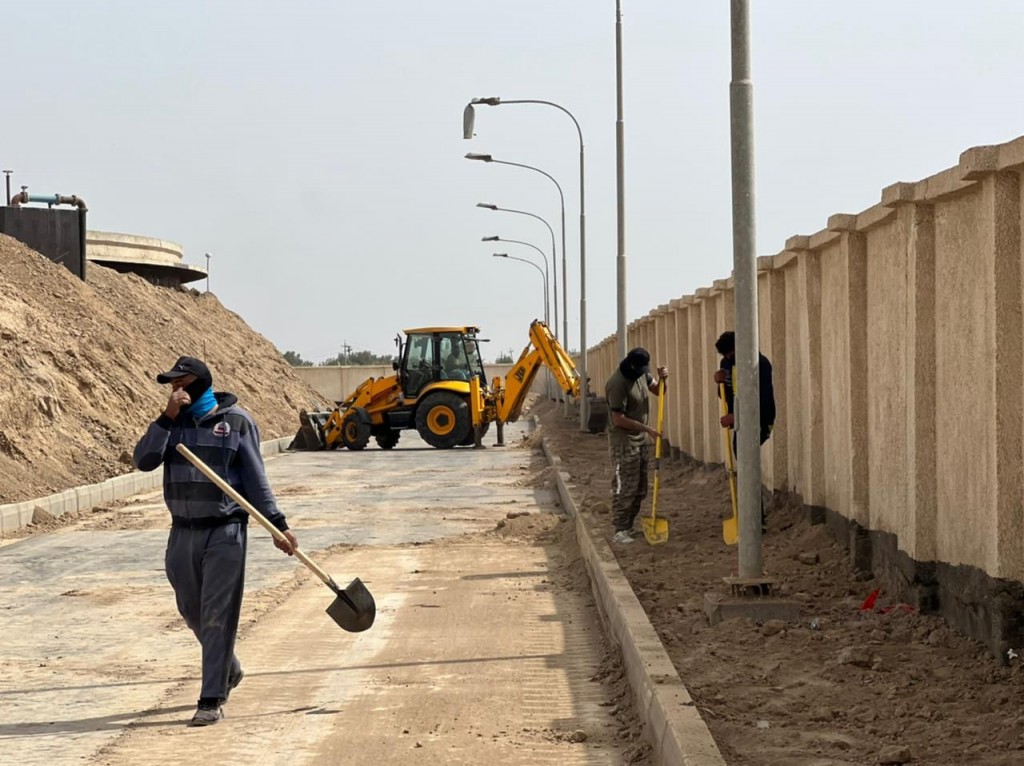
x: 354, y: 608
x: 655, y: 529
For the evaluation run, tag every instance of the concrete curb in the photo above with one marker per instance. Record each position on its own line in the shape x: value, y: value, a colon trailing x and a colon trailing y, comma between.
x: 14, y: 516
x: 672, y: 722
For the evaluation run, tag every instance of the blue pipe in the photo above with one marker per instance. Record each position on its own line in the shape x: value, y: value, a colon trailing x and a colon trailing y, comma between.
x: 49, y: 199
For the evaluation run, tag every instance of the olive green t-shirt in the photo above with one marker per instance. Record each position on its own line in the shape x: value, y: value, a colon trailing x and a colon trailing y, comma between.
x: 630, y: 398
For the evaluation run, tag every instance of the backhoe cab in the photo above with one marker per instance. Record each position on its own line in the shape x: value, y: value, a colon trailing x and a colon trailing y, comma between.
x: 440, y: 389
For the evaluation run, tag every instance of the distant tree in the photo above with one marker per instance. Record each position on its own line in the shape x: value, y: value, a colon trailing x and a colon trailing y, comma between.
x: 505, y: 357
x: 295, y: 360
x: 344, y: 359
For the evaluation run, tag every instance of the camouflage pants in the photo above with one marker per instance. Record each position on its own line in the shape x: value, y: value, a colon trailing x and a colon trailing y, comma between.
x: 629, y: 482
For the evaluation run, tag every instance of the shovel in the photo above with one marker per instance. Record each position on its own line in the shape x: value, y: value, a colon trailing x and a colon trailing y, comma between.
x: 353, y: 609
x: 731, y: 526
x: 655, y: 529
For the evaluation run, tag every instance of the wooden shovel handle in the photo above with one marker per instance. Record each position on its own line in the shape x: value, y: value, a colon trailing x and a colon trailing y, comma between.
x: 231, y: 492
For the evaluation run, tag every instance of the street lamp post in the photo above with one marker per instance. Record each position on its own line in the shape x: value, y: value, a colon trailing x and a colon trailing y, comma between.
x: 468, y: 122
x: 620, y: 186
x: 547, y: 292
x: 561, y: 199
x: 207, y: 272
x: 748, y: 447
x: 565, y: 270
x: 544, y: 281
x: 554, y: 254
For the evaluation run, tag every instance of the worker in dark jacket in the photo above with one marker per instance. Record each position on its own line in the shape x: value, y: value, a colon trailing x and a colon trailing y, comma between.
x: 205, y: 560
x: 726, y: 346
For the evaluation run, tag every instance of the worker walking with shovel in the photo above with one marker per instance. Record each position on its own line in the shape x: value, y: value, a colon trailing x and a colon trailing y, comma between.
x: 205, y: 560
x: 627, y: 392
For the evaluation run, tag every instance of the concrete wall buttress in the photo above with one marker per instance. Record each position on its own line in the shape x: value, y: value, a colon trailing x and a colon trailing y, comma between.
x: 1002, y: 196
x: 772, y: 331
x: 916, y: 226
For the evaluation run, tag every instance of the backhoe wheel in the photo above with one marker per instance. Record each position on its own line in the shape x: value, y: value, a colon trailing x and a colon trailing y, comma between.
x: 443, y: 420
x: 355, y: 433
x: 388, y: 440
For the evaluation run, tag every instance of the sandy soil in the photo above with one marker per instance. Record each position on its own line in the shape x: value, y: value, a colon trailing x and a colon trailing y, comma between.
x: 557, y: 538
x: 841, y: 685
x: 78, y: 360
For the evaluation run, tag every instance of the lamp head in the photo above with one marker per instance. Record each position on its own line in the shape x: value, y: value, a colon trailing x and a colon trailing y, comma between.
x: 487, y: 205
x: 499, y: 255
x: 468, y: 120
x: 490, y: 101
x: 481, y: 157
x: 495, y: 238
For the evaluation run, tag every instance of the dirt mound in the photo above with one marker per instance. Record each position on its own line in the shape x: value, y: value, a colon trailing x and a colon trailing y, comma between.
x: 78, y: 360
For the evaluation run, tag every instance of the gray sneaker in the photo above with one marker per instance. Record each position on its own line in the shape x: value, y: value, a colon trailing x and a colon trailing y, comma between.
x: 622, y: 537
x: 206, y: 716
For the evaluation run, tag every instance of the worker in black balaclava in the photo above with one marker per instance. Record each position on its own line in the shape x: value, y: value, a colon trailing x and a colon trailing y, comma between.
x: 626, y: 392
x: 205, y: 557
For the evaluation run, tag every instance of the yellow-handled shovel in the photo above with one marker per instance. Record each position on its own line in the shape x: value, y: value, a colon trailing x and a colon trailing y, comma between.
x: 731, y: 526
x: 655, y: 529
x: 353, y: 608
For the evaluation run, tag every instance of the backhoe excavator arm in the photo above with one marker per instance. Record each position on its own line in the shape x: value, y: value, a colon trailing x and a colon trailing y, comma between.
x: 543, y: 349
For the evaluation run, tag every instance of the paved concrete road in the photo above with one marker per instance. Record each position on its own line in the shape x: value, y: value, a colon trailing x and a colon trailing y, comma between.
x: 476, y: 656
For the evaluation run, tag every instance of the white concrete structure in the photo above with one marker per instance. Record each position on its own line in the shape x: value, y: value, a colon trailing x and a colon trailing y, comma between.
x: 157, y: 260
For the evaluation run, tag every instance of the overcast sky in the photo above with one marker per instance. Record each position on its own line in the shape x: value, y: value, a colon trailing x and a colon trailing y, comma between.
x: 315, y: 148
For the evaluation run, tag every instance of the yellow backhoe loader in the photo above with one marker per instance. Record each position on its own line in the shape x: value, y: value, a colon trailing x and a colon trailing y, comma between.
x: 439, y: 389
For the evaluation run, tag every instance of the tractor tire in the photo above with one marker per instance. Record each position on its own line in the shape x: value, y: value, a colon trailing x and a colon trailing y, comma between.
x: 388, y: 440
x: 355, y: 432
x: 468, y: 441
x: 443, y: 420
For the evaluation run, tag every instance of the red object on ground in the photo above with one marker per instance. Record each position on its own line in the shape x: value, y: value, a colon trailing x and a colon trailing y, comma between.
x: 869, y: 602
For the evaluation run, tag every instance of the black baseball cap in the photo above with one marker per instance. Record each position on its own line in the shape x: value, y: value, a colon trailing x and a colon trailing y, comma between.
x: 186, y: 365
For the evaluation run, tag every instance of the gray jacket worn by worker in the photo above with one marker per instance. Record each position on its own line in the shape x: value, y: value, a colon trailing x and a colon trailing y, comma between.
x: 205, y: 559
x: 228, y: 441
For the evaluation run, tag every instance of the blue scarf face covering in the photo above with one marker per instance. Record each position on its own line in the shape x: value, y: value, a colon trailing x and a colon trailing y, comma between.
x: 206, y: 402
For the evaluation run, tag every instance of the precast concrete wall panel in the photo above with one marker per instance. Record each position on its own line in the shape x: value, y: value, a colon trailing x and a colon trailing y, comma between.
x: 1001, y: 199
x: 965, y: 351
x: 835, y: 355
x: 694, y: 371
x: 887, y: 380
x: 791, y: 382
x: 711, y: 450
x: 679, y: 382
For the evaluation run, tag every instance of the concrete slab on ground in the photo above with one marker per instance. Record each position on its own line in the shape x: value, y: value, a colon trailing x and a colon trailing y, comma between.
x: 475, y: 656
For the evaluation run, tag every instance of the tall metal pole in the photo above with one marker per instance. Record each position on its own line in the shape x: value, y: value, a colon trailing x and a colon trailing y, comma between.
x: 207, y: 272
x: 748, y: 409
x: 585, y: 395
x: 620, y: 184
x: 7, y: 174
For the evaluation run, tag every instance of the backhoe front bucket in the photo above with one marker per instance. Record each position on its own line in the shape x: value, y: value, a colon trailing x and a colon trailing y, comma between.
x: 310, y: 433
x: 598, y: 421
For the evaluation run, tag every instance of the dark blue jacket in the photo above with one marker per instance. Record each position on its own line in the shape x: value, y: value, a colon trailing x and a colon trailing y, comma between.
x: 228, y: 441
x: 765, y: 388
